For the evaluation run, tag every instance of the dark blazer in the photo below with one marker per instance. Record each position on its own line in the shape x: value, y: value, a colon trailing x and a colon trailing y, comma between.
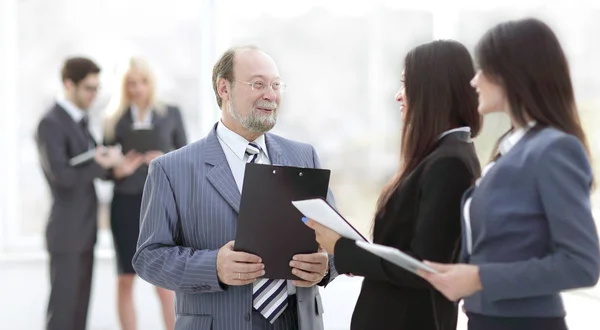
x: 532, y: 228
x: 172, y: 132
x: 422, y: 218
x: 72, y: 223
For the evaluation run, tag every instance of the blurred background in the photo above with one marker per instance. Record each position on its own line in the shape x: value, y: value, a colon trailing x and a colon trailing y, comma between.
x: 340, y: 59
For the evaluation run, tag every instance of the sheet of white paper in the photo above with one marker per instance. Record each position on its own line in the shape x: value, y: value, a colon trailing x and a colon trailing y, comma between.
x: 321, y: 212
x: 82, y: 158
x: 396, y: 257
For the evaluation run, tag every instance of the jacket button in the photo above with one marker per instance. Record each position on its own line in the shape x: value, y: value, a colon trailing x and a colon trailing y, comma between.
x: 247, y: 317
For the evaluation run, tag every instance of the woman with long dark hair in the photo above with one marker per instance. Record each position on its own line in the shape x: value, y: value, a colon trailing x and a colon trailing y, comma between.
x: 528, y: 229
x: 419, y: 211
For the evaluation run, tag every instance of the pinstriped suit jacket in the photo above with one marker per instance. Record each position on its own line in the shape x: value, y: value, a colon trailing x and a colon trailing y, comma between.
x: 189, y: 211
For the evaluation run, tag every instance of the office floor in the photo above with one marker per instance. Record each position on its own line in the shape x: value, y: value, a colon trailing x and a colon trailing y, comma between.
x: 24, y: 289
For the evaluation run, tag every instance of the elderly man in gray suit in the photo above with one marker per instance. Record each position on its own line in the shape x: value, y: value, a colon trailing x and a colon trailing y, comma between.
x: 190, y: 208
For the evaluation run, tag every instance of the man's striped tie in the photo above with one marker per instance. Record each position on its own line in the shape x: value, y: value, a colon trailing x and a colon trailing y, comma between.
x: 269, y: 297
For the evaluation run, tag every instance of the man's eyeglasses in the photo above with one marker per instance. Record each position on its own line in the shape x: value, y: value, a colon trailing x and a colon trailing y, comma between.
x: 259, y: 85
x: 90, y: 88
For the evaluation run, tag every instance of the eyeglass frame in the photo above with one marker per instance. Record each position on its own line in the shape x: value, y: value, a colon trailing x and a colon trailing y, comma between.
x: 281, y: 89
x: 88, y: 88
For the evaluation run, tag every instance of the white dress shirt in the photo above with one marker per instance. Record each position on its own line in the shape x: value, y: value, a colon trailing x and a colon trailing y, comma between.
x: 507, y: 143
x: 141, y: 124
x: 459, y: 129
x: 74, y: 112
x: 234, y: 147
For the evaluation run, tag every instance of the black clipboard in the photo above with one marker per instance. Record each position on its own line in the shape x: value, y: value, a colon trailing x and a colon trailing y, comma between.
x: 269, y: 225
x: 141, y: 140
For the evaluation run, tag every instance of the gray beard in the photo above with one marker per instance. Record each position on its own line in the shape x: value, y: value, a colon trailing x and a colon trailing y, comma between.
x: 255, y: 122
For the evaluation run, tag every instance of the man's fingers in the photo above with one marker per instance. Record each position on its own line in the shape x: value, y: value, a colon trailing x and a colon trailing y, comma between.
x: 309, y: 277
x: 241, y: 282
x: 245, y: 257
x: 239, y: 278
x: 303, y: 284
x: 308, y: 267
x: 252, y: 276
x: 315, y: 258
x: 240, y: 267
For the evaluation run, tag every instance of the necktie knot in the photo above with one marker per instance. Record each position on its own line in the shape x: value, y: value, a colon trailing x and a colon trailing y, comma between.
x: 252, y: 149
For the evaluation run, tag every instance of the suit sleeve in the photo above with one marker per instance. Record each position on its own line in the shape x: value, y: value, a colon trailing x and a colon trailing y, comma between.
x: 158, y: 259
x: 179, y: 136
x: 436, y: 235
x: 564, y: 180
x: 52, y: 149
x: 332, y: 273
x: 110, y: 174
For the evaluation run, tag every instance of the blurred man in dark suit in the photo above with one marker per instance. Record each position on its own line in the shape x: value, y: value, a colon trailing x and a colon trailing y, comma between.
x: 71, y: 230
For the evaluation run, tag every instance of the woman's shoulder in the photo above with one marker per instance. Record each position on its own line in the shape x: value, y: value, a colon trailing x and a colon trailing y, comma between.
x: 453, y: 155
x: 548, y: 140
x: 169, y: 108
x: 547, y: 136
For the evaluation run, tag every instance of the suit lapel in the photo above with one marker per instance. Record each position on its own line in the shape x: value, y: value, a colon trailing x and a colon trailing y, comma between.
x: 125, y: 124
x: 220, y: 175
x: 275, y: 151
x: 82, y: 141
x: 157, y: 118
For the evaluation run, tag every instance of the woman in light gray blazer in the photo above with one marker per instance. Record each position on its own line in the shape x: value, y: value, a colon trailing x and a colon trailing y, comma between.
x: 137, y: 108
x: 528, y: 230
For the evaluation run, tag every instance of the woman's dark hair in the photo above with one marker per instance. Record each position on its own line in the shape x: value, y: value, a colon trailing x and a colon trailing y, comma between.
x: 439, y: 97
x: 526, y: 59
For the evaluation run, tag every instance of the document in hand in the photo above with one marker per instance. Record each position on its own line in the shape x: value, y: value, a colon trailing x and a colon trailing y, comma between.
x: 83, y: 158
x: 268, y: 225
x: 396, y: 257
x: 320, y: 211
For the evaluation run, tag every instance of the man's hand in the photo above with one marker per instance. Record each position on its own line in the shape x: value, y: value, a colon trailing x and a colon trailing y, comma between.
x: 108, y: 157
x: 238, y: 268
x: 311, y: 268
x: 130, y: 164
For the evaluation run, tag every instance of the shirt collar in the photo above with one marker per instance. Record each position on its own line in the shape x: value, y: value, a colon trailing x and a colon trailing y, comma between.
x: 236, y: 142
x: 459, y: 129
x: 74, y: 112
x: 146, y: 123
x: 509, y: 141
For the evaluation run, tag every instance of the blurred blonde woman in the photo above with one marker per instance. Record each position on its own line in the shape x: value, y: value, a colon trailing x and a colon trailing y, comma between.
x: 137, y: 106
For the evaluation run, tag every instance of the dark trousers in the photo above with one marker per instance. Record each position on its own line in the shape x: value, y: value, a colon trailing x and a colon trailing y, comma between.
x: 483, y: 322
x: 288, y: 320
x: 71, y: 281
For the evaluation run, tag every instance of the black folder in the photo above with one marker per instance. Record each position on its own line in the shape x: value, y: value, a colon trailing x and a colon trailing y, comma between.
x: 142, y: 140
x: 269, y: 225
